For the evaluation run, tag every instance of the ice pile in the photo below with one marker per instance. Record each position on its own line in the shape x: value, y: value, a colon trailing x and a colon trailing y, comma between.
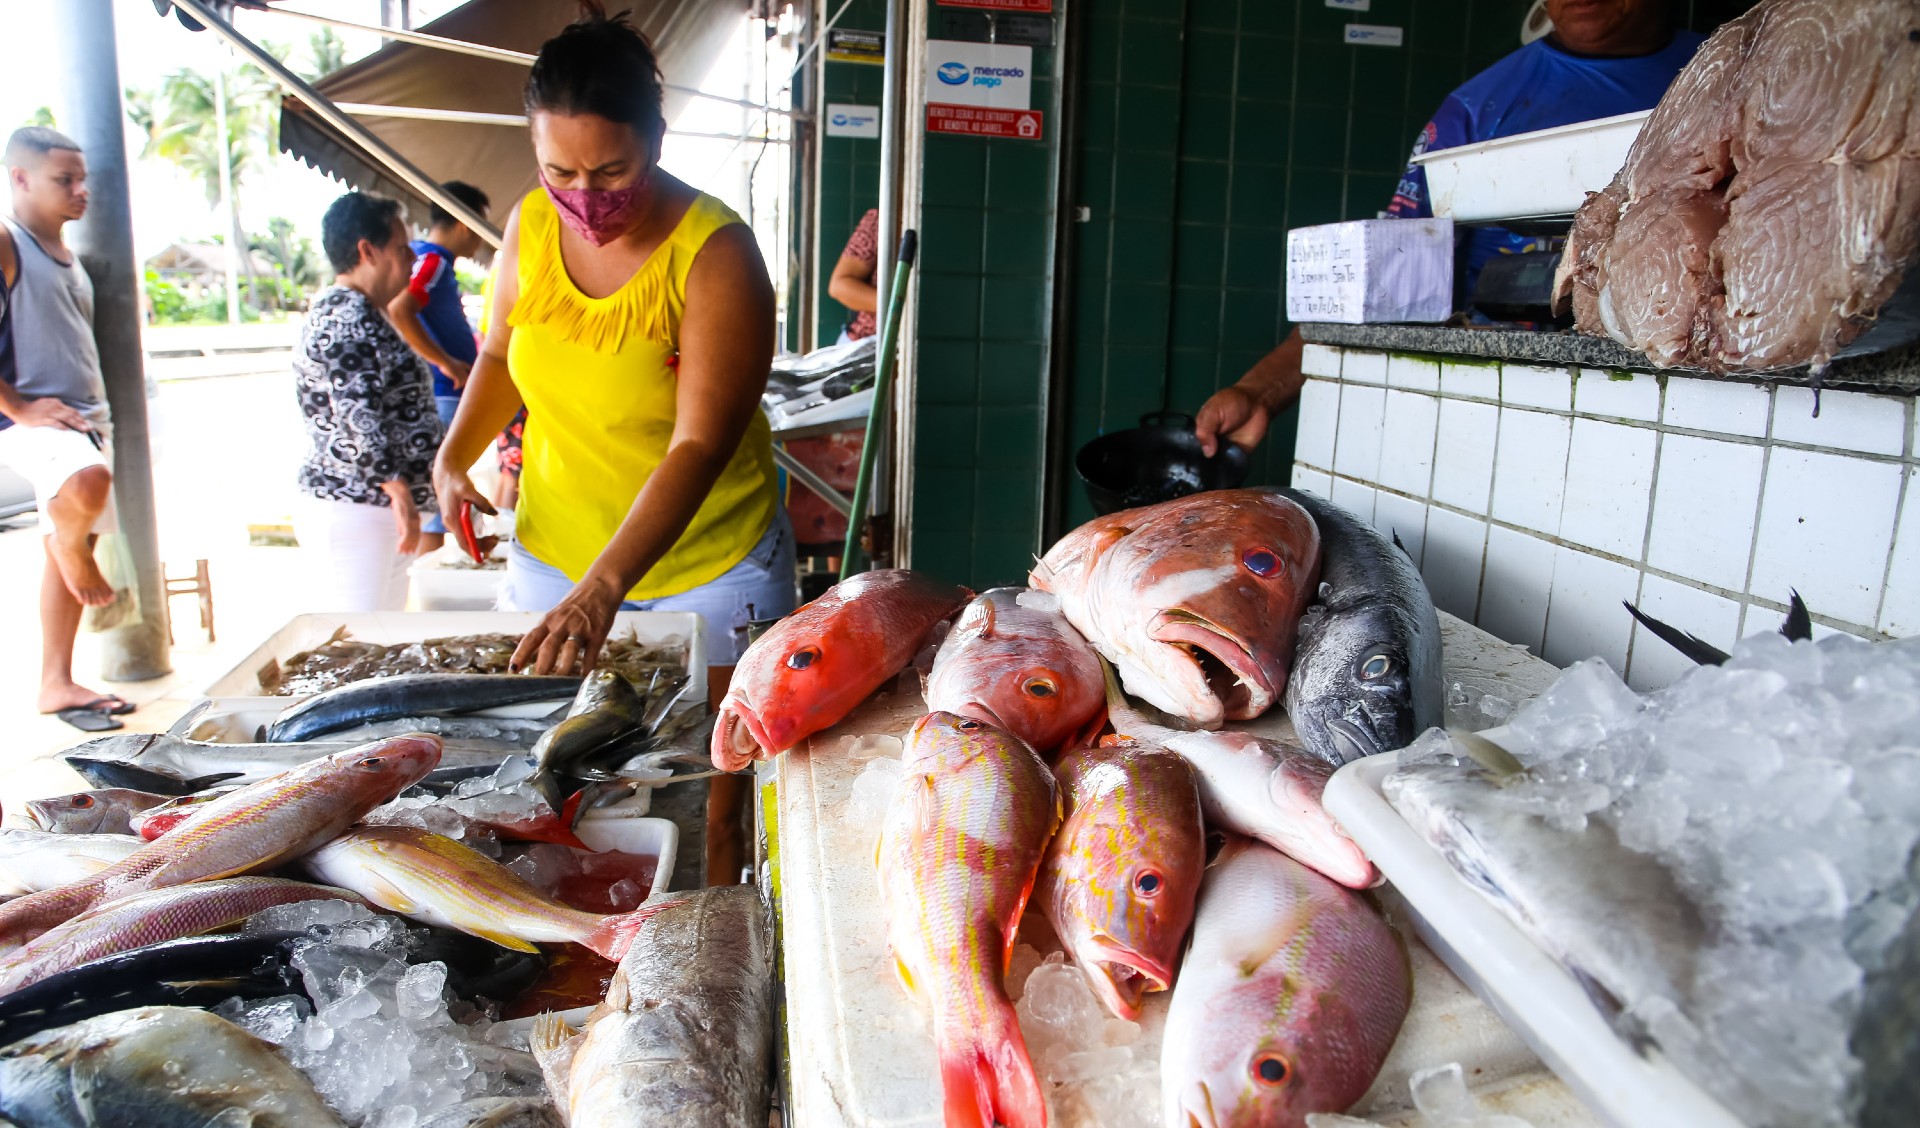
x: 1473, y: 709
x: 1442, y: 1097
x: 1782, y: 791
x: 380, y: 1047
x: 1098, y: 1071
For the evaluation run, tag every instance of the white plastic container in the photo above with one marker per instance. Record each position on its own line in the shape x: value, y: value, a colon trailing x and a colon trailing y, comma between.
x: 303, y: 632
x: 647, y: 836
x: 1529, y: 175
x: 1522, y: 983
x: 440, y: 588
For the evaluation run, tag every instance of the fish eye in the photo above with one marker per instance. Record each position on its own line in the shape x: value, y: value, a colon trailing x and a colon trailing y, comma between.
x: 1148, y: 882
x: 1039, y: 687
x: 83, y: 801
x: 1261, y: 561
x: 1271, y: 1070
x: 1377, y: 667
x: 801, y: 659
x: 370, y: 762
x: 968, y: 725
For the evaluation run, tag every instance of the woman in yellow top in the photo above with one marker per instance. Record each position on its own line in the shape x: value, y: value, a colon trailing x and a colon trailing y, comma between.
x: 633, y: 317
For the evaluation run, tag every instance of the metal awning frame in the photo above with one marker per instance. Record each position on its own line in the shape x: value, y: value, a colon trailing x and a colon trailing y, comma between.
x: 475, y: 117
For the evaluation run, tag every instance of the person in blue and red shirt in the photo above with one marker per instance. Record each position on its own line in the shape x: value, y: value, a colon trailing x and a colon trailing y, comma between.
x: 1602, y: 58
x: 431, y: 319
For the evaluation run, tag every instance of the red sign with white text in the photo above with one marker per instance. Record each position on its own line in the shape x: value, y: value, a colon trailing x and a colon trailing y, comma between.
x: 982, y: 121
x: 1002, y: 5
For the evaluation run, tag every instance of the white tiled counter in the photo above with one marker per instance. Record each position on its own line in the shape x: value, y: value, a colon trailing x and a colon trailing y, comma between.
x: 1537, y: 498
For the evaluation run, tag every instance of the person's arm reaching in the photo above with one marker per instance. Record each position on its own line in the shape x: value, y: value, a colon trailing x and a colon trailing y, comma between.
x: 852, y: 285
x: 404, y: 312
x: 726, y: 345
x: 1242, y: 411
x: 490, y: 399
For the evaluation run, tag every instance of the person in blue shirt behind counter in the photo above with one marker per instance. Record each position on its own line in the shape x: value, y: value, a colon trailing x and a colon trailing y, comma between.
x: 431, y: 319
x: 1602, y: 58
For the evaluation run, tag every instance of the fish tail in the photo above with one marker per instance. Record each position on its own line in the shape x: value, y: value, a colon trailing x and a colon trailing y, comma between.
x: 986, y: 1076
x: 614, y: 934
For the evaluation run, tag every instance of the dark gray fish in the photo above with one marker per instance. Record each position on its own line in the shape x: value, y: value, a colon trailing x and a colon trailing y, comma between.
x: 1798, y: 627
x: 609, y: 723
x: 154, y: 1067
x: 384, y: 699
x: 685, y: 1034
x: 107, y: 810
x: 170, y: 765
x: 1366, y: 670
x: 496, y: 1112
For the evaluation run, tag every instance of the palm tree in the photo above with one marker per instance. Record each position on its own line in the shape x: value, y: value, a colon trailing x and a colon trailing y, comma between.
x: 181, y: 122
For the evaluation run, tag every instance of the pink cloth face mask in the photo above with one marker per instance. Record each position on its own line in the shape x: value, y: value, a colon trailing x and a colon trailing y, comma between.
x: 598, y: 215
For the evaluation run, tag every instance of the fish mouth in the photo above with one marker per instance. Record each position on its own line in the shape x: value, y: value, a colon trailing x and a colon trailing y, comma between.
x: 1123, y: 977
x: 1352, y: 741
x: 739, y: 738
x: 1232, y: 674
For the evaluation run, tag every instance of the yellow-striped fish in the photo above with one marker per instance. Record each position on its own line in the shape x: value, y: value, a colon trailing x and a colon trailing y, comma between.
x: 431, y: 878
x: 962, y: 846
x: 1120, y: 878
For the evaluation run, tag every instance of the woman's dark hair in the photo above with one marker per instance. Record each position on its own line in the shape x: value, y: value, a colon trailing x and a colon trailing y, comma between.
x: 599, y: 64
x: 351, y: 218
x: 474, y: 198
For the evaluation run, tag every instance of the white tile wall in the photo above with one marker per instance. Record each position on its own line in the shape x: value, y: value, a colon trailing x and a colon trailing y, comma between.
x: 1530, y: 469
x: 1626, y: 395
x: 1704, y: 509
x: 1826, y: 528
x: 1609, y: 487
x: 1535, y: 499
x: 1320, y: 360
x: 1584, y: 616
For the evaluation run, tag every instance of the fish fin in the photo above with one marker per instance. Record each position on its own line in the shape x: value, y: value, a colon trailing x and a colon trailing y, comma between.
x: 1396, y: 543
x: 1697, y: 650
x: 503, y: 939
x: 907, y: 980
x: 390, y: 898
x: 613, y: 935
x: 553, y: 1044
x: 1799, y: 624
x: 987, y: 1079
x: 984, y: 615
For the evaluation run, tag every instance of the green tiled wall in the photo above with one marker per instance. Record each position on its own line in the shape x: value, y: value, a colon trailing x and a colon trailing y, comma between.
x: 985, y: 297
x: 1210, y: 127
x: 849, y: 166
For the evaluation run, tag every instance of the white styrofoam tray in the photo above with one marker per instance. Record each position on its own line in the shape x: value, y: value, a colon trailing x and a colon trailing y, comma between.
x: 1524, y: 984
x: 303, y: 632
x: 864, y: 1056
x: 1544, y: 173
x: 648, y: 836
x: 437, y: 587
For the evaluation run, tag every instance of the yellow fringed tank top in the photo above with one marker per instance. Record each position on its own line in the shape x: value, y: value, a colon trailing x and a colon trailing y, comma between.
x: 598, y: 378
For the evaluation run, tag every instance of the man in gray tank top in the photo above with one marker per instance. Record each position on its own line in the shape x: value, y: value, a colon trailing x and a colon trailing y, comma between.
x: 53, y: 412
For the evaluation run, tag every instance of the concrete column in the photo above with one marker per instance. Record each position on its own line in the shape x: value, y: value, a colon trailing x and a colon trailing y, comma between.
x: 104, y: 240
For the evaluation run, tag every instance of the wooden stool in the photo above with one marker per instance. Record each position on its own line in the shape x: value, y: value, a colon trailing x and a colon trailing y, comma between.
x: 199, y: 584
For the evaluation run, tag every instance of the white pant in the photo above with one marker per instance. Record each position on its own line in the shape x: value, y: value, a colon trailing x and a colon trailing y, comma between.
x: 352, y: 553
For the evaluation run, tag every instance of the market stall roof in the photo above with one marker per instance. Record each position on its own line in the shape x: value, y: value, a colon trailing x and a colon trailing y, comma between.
x: 687, y: 36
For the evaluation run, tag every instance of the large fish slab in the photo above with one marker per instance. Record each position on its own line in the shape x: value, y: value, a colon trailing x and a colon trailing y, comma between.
x: 173, y: 766
x: 685, y: 1036
x: 1120, y: 877
x: 258, y: 826
x: 154, y: 1067
x: 1366, y: 676
x: 811, y: 670
x: 1289, y: 999
x: 32, y: 860
x: 153, y: 917
x: 1257, y: 787
x: 962, y: 847
x: 102, y: 811
x: 1194, y: 600
x: 431, y: 878
x: 411, y: 695
x: 1013, y: 661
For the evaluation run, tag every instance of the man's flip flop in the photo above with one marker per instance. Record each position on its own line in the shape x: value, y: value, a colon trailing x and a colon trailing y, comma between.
x: 113, y: 705
x: 89, y: 720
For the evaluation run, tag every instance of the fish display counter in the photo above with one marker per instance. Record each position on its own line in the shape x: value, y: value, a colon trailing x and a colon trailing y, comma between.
x: 859, y: 1053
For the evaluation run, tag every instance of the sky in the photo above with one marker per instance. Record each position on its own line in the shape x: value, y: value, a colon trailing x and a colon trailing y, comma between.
x: 169, y: 206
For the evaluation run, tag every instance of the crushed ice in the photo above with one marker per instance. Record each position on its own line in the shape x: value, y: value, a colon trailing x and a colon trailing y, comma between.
x: 1443, y: 1100
x: 1098, y: 1070
x: 1783, y: 792
x: 381, y: 1047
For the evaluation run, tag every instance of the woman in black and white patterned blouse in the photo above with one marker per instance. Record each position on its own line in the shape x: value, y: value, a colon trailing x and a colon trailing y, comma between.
x: 368, y: 402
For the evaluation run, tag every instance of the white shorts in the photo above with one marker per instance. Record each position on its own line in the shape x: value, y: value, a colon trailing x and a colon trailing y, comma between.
x: 47, y: 457
x: 352, y: 555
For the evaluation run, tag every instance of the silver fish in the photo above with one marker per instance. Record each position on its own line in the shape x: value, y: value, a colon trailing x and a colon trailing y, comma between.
x: 171, y: 765
x: 107, y: 810
x: 496, y: 1112
x: 154, y: 1067
x: 685, y: 1035
x: 32, y: 860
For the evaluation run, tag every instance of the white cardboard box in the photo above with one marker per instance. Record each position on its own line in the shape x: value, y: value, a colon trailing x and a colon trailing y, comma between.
x: 1371, y: 270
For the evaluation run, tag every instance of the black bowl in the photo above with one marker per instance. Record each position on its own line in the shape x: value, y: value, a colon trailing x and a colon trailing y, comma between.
x: 1157, y: 461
